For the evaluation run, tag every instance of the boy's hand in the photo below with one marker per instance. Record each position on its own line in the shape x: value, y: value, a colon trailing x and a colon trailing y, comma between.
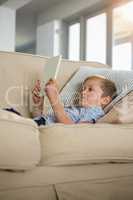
x: 36, y: 93
x: 52, y: 91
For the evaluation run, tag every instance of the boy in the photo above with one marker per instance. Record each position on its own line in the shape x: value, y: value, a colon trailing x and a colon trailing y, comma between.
x: 97, y: 92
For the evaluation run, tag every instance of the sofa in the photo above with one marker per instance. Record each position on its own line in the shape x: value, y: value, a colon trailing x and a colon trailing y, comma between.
x: 65, y: 162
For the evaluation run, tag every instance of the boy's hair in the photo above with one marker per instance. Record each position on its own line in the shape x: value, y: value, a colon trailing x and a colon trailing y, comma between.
x: 108, y: 86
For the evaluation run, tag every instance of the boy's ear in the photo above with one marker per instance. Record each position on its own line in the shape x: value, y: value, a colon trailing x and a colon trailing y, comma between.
x: 106, y: 100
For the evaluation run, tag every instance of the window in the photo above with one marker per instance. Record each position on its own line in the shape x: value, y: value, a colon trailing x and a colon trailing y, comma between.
x: 112, y: 29
x: 122, y: 56
x: 74, y: 42
x: 123, y: 37
x: 96, y: 38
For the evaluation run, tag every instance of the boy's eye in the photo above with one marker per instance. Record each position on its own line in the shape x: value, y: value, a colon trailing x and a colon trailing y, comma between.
x: 90, y: 89
x: 86, y: 88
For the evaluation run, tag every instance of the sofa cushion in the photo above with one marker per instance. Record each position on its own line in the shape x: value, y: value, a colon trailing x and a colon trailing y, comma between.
x: 19, y: 142
x: 82, y: 144
x: 122, y: 112
x: 123, y: 80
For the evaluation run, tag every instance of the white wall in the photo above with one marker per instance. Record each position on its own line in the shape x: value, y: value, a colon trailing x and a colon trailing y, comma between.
x: 25, y: 29
x: 48, y: 39
x: 7, y: 29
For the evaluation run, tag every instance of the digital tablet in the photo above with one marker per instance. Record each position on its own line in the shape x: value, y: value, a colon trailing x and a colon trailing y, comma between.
x: 51, y: 70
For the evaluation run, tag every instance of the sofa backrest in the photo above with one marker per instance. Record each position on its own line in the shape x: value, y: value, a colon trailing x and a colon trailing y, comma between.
x: 18, y: 73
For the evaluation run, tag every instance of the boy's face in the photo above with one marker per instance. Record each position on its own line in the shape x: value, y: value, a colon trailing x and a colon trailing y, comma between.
x: 91, y: 94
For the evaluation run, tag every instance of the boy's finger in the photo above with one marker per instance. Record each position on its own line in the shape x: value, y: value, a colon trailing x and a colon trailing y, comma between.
x: 35, y: 92
x: 48, y: 83
x: 37, y: 86
x: 50, y: 79
x: 38, y: 82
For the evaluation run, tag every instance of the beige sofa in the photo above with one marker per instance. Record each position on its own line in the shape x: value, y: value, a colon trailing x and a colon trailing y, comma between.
x: 57, y: 161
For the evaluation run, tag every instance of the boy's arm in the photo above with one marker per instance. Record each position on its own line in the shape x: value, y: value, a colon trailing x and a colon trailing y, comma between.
x: 51, y: 90
x: 60, y: 114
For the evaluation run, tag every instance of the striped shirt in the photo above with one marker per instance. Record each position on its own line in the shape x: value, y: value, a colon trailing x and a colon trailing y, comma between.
x: 77, y: 114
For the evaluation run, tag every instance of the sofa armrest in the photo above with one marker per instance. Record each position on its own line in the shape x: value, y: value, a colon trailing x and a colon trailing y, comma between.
x: 19, y: 142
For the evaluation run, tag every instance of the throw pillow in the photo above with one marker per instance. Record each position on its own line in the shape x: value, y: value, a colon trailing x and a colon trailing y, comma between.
x: 122, y: 112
